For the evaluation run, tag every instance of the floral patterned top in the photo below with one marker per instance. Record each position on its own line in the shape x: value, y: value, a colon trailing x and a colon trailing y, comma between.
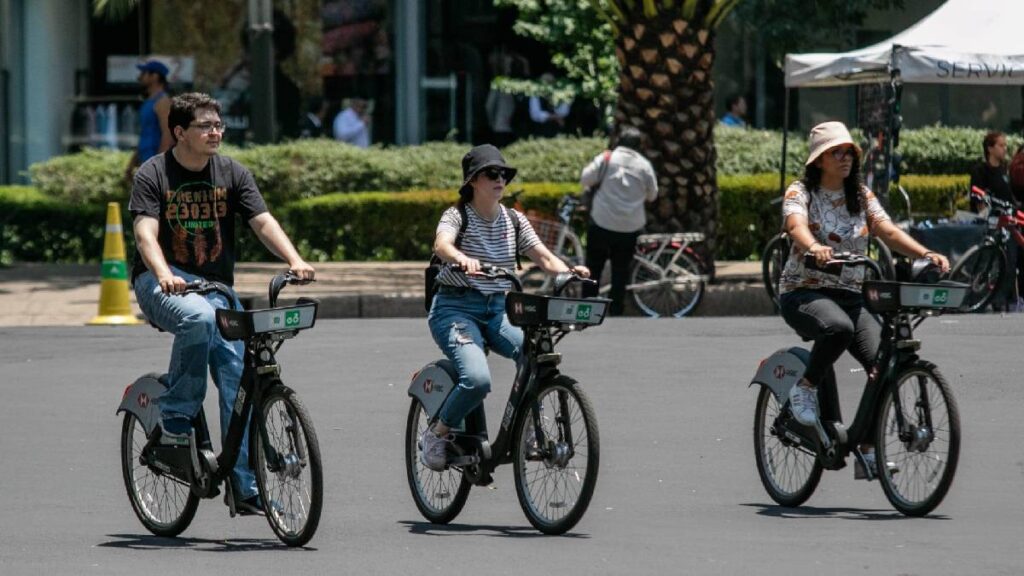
x: 832, y: 225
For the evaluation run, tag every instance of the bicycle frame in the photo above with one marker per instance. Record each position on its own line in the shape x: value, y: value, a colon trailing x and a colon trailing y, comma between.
x: 260, y: 375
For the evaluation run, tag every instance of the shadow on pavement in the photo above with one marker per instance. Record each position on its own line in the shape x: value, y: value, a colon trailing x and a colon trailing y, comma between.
x: 150, y: 542
x: 776, y: 511
x: 481, y: 530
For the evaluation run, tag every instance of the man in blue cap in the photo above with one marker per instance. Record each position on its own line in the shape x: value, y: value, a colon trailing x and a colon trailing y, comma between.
x: 155, y: 136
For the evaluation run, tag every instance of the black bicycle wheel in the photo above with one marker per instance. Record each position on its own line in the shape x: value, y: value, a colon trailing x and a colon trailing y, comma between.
x: 439, y: 496
x: 981, y: 268
x: 880, y: 253
x: 666, y: 289
x: 288, y: 470
x: 555, y: 475
x: 164, y: 504
x: 773, y: 261
x: 919, y: 433
x: 789, y: 473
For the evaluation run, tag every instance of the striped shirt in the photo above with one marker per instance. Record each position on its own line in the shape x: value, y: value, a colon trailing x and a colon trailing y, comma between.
x: 489, y: 241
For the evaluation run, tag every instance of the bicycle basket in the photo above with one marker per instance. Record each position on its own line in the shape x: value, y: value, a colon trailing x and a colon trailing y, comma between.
x: 240, y: 324
x: 882, y: 296
x: 535, y: 310
x: 547, y: 230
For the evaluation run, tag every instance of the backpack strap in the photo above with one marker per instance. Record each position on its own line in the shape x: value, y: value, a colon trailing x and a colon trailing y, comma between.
x: 462, y: 227
x: 514, y: 217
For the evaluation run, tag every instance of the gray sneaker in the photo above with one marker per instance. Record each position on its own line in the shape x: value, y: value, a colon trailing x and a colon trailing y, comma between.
x: 803, y: 403
x: 433, y: 449
x: 175, y: 432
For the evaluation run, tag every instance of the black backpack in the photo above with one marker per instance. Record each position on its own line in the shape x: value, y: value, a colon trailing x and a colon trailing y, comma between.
x: 434, y: 267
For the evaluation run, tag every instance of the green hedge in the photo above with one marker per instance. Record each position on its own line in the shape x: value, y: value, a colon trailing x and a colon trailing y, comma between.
x: 400, y: 225
x: 312, y: 168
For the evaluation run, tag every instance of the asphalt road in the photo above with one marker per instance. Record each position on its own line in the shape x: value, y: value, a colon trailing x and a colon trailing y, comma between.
x: 678, y: 492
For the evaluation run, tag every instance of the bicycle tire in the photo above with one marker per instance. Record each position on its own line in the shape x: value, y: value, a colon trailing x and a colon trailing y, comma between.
x: 293, y: 505
x: 790, y: 474
x: 919, y: 451
x: 151, y: 491
x: 982, y: 268
x: 439, y: 496
x: 548, y: 484
x: 670, y: 297
x: 773, y: 261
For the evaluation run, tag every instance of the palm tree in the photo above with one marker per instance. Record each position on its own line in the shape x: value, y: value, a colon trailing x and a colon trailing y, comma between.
x: 665, y: 50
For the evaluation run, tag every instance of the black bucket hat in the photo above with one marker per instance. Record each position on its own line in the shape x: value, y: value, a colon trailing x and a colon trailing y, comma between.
x: 480, y: 158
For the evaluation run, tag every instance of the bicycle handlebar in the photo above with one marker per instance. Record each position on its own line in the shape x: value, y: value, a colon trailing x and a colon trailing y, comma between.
x: 840, y: 259
x: 280, y: 280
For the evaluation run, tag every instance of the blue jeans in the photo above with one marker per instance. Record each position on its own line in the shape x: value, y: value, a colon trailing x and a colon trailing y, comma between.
x: 198, y: 348
x: 461, y: 322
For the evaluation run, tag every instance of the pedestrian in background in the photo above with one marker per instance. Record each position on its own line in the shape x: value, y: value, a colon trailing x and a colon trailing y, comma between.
x: 624, y: 180
x: 352, y: 125
x: 736, y: 111
x: 992, y: 176
x: 154, y: 136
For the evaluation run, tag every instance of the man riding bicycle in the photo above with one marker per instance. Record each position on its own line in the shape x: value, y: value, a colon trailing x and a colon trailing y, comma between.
x: 184, y: 203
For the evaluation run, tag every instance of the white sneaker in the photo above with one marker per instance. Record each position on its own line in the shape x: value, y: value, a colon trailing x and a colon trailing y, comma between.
x: 433, y: 449
x: 803, y: 403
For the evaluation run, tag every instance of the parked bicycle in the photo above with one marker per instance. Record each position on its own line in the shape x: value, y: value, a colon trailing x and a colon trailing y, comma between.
x: 776, y: 253
x: 667, y: 276
x: 165, y: 483
x: 907, y: 410
x: 983, y: 266
x: 548, y: 429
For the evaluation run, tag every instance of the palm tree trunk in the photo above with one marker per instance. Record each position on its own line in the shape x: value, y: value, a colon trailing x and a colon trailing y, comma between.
x: 665, y: 90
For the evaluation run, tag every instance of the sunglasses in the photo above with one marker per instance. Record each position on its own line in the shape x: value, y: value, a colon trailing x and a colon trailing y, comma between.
x: 840, y: 154
x: 495, y: 173
x: 207, y: 127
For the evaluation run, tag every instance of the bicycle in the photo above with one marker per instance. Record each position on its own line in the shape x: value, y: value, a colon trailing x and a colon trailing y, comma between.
x: 667, y: 276
x: 776, y: 253
x: 548, y: 429
x: 165, y: 483
x: 907, y: 410
x: 983, y: 266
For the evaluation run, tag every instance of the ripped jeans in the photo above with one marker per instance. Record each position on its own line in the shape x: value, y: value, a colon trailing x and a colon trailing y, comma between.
x: 461, y: 321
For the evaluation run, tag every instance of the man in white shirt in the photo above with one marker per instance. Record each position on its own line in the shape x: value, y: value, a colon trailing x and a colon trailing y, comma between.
x: 352, y: 124
x: 617, y: 216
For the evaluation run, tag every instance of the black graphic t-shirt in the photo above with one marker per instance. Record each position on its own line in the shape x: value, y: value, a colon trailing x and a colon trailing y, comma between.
x: 196, y: 211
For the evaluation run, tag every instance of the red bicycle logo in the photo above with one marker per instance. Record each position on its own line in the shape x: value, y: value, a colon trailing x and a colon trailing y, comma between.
x: 428, y: 386
x: 779, y: 372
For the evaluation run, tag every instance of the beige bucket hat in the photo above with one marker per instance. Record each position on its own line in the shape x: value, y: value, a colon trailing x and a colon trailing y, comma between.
x: 828, y: 135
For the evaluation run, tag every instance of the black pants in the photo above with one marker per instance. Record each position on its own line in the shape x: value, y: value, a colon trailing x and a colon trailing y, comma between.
x: 836, y: 320
x: 615, y: 246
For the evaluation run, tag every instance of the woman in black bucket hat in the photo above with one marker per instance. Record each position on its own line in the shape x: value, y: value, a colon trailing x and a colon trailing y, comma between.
x: 468, y: 312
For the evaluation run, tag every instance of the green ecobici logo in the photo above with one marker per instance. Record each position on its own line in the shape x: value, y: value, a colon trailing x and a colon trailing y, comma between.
x: 941, y: 296
x: 583, y: 312
x: 291, y: 318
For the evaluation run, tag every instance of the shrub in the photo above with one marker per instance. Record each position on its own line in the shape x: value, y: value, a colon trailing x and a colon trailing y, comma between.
x: 400, y: 225
x: 311, y: 168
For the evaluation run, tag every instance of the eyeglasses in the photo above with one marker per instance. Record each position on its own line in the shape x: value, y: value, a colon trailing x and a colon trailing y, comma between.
x: 207, y: 127
x: 840, y: 154
x: 495, y: 173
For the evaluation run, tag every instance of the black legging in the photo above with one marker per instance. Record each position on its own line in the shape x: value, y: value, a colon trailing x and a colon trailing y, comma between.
x: 836, y: 320
x: 618, y: 247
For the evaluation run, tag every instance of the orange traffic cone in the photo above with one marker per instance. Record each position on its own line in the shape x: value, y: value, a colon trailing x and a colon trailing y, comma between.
x: 115, y: 307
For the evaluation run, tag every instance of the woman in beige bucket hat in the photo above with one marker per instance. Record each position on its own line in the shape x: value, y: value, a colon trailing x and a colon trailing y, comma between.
x: 829, y: 210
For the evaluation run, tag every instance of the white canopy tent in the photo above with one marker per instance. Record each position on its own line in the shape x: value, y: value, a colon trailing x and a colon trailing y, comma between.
x: 961, y: 42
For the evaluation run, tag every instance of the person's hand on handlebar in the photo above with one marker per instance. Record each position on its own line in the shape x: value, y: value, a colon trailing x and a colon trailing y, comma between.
x: 302, y: 270
x: 467, y: 264
x: 938, y: 259
x: 581, y: 271
x: 822, y: 253
x: 171, y: 284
